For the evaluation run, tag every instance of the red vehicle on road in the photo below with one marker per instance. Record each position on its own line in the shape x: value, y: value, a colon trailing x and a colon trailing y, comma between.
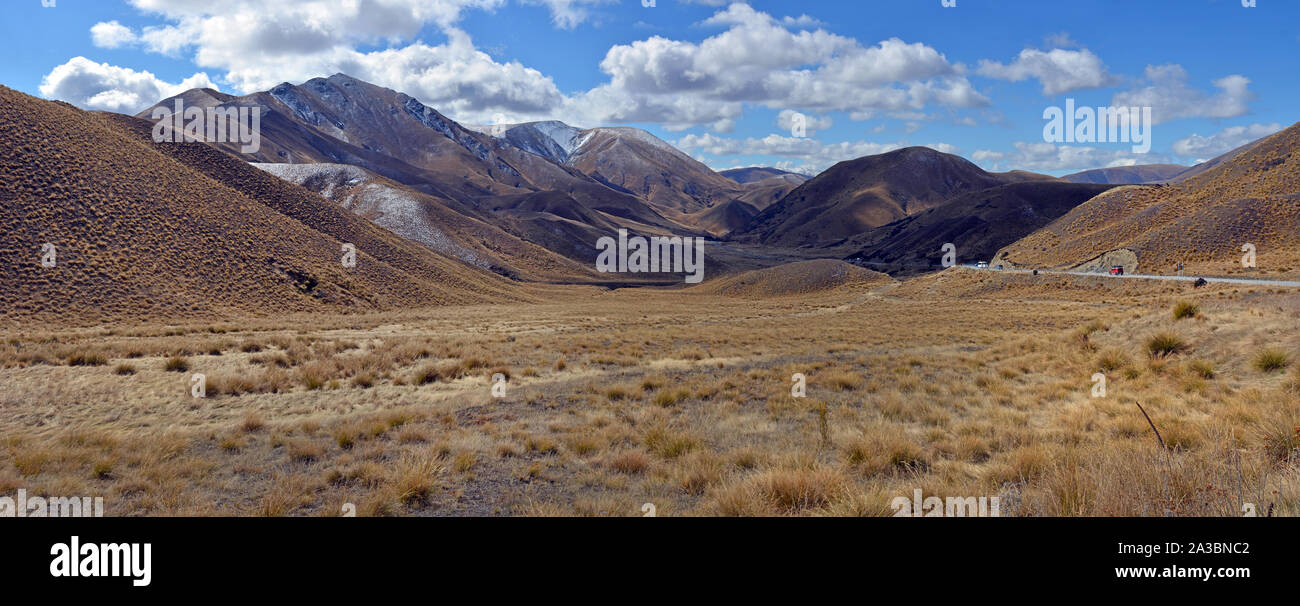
x: 1117, y: 270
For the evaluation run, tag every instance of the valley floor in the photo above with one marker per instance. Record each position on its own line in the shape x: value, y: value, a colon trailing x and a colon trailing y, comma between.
x: 958, y: 384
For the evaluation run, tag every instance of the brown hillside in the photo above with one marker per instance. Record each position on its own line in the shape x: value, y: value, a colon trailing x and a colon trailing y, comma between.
x: 140, y: 231
x: 1202, y: 221
x: 725, y: 218
x: 635, y: 161
x: 855, y: 196
x: 977, y: 224
x: 764, y: 193
x: 428, y: 220
x: 800, y: 278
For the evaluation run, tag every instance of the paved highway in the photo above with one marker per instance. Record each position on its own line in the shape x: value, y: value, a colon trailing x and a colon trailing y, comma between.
x: 1146, y: 277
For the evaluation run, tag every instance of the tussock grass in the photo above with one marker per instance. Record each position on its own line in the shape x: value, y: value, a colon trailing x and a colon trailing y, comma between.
x: 1271, y: 360
x: 959, y: 399
x: 86, y: 358
x: 1165, y: 344
x: 176, y: 364
x: 629, y: 462
x: 1186, y: 309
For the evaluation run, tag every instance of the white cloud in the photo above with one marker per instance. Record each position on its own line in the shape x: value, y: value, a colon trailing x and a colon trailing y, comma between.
x: 805, y: 155
x: 112, y: 34
x: 1170, y: 97
x: 786, y: 121
x: 758, y: 59
x: 1058, y: 70
x: 92, y: 85
x: 1049, y: 157
x: 802, y: 21
x: 1060, y: 40
x: 568, y: 14
x: 1226, y: 140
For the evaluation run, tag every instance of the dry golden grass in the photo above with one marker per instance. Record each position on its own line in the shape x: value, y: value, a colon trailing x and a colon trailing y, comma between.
x: 617, y: 399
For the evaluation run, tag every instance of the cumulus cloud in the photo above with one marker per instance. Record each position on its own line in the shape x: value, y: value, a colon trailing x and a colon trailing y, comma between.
x: 789, y: 119
x: 1224, y: 141
x: 1171, y: 98
x: 1052, y: 158
x: 803, y: 154
x: 782, y: 63
x: 759, y: 60
x: 92, y: 85
x: 803, y: 20
x: 568, y: 14
x: 1058, y: 70
x: 112, y: 34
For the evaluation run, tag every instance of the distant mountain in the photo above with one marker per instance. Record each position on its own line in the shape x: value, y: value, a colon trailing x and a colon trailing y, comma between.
x: 726, y: 218
x: 1252, y: 196
x: 1213, y: 162
x: 765, y: 192
x: 858, y: 195
x: 342, y: 120
x: 754, y: 174
x: 430, y: 221
x: 141, y: 229
x: 1128, y: 175
x: 626, y: 159
x: 552, y: 139
x: 976, y: 223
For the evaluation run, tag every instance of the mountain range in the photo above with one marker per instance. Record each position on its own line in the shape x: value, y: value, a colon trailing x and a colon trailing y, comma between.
x: 444, y: 213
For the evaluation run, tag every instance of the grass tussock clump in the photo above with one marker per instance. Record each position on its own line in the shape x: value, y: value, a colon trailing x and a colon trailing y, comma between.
x: 1271, y: 360
x: 416, y: 477
x: 86, y: 358
x: 1202, y: 368
x: 669, y: 444
x: 176, y: 364
x: 1112, y: 359
x: 881, y: 452
x: 615, y: 393
x: 252, y: 422
x: 783, y: 492
x: 1184, y: 310
x: 630, y: 462
x: 1083, y: 335
x: 843, y: 381
x: 1164, y: 344
x: 671, y: 397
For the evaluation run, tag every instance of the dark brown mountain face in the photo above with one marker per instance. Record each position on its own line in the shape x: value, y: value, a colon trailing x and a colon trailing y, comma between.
x: 726, y: 217
x: 977, y: 224
x: 858, y: 195
x: 185, y: 230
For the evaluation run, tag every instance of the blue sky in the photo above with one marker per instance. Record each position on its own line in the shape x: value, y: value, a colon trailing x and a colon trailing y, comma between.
x: 725, y: 82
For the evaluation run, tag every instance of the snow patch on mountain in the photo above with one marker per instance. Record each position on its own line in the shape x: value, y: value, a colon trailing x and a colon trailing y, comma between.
x: 553, y: 140
x: 387, y: 207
